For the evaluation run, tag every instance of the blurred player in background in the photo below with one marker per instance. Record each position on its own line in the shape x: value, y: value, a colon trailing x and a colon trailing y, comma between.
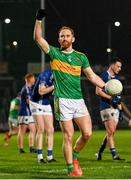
x: 25, y: 118
x: 110, y: 109
x: 42, y: 113
x: 66, y: 64
x: 13, y: 118
x: 127, y: 113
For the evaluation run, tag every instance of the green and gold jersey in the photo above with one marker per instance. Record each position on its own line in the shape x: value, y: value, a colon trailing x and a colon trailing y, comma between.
x: 66, y: 69
x: 14, y: 107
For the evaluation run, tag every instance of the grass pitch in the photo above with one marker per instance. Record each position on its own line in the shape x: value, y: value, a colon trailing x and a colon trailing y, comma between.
x: 24, y: 166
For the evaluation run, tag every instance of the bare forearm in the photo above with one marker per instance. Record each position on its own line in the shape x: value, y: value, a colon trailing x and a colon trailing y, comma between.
x: 101, y: 93
x: 41, y: 42
x: 37, y: 30
x: 96, y: 80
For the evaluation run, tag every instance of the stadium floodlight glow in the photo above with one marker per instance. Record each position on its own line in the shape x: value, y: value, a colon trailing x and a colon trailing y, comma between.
x: 117, y: 23
x: 15, y: 43
x: 109, y: 50
x: 7, y: 20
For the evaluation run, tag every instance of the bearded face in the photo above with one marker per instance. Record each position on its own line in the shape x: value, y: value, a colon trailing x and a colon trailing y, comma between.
x: 65, y: 44
x: 66, y: 39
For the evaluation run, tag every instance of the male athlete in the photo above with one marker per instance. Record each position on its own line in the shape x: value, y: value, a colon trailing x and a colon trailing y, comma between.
x: 42, y: 113
x: 66, y: 64
x: 110, y: 109
x: 13, y: 118
x: 25, y: 119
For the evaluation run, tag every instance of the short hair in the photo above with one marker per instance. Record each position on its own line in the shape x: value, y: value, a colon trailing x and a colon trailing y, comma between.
x: 28, y: 76
x: 116, y: 59
x: 66, y: 27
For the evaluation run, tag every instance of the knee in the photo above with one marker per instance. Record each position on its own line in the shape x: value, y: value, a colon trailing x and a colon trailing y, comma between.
x: 32, y: 133
x: 40, y: 130
x: 110, y: 133
x: 86, y: 135
x: 21, y: 133
x: 32, y: 130
x: 50, y: 131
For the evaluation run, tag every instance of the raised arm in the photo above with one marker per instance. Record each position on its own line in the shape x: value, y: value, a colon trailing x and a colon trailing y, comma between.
x: 42, y: 43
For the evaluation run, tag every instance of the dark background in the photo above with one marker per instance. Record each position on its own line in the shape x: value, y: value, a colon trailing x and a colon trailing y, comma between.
x: 89, y: 19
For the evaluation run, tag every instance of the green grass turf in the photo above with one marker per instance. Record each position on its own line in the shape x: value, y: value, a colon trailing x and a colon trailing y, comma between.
x: 24, y: 166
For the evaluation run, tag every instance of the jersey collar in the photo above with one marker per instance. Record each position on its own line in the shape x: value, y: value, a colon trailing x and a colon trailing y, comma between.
x: 68, y: 52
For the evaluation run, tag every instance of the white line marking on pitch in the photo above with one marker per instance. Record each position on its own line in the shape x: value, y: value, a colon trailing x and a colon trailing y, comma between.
x: 88, y: 168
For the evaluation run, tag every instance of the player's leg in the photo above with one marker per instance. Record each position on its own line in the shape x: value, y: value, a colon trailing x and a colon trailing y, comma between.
x: 32, y: 133
x: 21, y: 132
x: 13, y: 127
x: 64, y: 110
x: 14, y: 131
x: 127, y: 119
x: 101, y: 149
x: 7, y: 133
x: 37, y: 113
x: 6, y: 138
x: 110, y: 126
x: 85, y: 126
x: 68, y: 131
x: 107, y: 115
x: 129, y: 123
x: 49, y: 128
x: 82, y: 119
x: 40, y: 131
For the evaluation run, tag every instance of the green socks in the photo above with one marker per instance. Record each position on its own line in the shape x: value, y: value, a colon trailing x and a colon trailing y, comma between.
x: 75, y: 154
x: 70, y: 167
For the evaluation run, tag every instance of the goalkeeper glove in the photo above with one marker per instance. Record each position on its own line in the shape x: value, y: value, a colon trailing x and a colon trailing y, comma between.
x: 121, y: 114
x: 40, y: 14
x: 116, y: 100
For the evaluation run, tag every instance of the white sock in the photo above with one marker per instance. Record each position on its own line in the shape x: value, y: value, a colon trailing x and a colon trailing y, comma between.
x: 40, y: 156
x: 50, y: 157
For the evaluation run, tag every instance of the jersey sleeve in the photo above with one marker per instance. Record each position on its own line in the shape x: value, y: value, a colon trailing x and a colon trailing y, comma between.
x: 43, y: 80
x: 52, y: 52
x: 46, y: 78
x: 85, y: 61
x: 104, y: 76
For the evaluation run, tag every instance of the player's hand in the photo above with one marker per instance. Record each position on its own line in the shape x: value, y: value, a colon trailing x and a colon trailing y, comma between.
x: 121, y: 114
x: 116, y: 100
x: 40, y: 14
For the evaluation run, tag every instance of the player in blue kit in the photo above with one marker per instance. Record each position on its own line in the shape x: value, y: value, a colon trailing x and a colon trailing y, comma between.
x: 42, y: 113
x: 110, y: 109
x: 25, y: 119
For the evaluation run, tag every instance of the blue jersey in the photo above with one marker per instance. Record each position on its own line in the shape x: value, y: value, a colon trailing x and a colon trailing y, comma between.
x: 104, y: 102
x: 24, y: 106
x: 46, y: 78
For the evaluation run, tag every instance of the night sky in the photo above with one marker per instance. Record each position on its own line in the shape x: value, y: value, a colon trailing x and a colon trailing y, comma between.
x: 89, y: 19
